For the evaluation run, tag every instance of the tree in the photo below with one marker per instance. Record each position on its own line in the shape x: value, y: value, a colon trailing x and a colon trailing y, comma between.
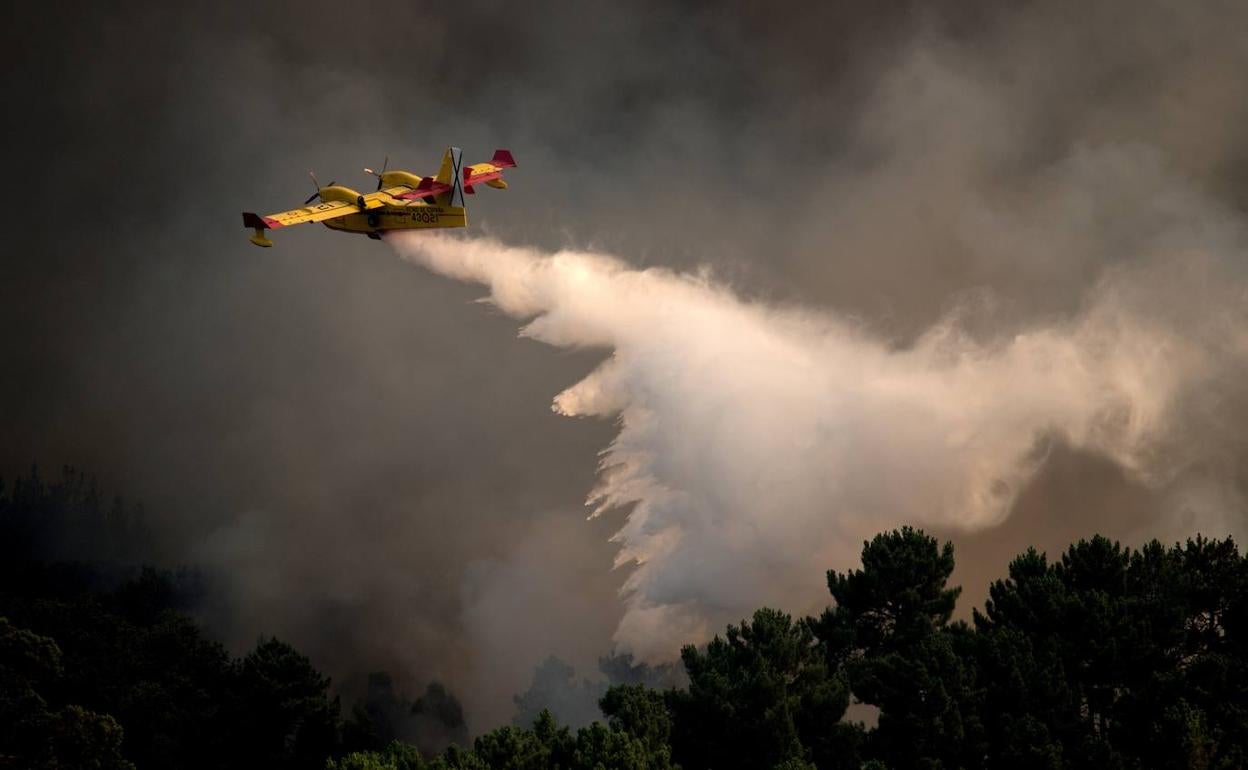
x: 146, y: 666
x: 926, y: 693
x: 898, y: 597
x: 438, y: 719
x: 888, y: 633
x: 750, y: 694
x: 1114, y: 657
x: 66, y: 519
x: 383, y: 718
x: 396, y: 756
x: 642, y: 714
x: 456, y: 758
x: 84, y: 739
x: 36, y: 736
x: 285, y: 717
x: 512, y: 748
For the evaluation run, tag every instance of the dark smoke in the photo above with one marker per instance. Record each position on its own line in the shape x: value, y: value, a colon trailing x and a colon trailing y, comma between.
x: 368, y: 463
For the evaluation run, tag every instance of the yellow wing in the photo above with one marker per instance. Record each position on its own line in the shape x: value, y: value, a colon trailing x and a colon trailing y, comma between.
x: 315, y: 213
x: 320, y: 212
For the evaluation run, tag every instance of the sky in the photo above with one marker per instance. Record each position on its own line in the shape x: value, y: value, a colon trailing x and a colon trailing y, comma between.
x: 366, y: 457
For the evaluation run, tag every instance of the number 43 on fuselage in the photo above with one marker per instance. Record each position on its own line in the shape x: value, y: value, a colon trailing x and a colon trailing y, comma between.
x: 403, y: 201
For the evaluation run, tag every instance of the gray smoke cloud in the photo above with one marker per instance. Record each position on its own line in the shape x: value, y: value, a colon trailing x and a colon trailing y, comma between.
x: 370, y: 463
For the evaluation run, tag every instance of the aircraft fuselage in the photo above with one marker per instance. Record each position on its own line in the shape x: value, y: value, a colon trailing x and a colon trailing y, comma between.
x: 417, y: 216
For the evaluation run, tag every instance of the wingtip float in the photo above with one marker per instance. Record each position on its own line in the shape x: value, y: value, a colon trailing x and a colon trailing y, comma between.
x: 402, y: 201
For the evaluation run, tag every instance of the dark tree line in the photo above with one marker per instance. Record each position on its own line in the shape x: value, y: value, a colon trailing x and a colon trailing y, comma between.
x: 70, y: 519
x: 100, y: 667
x: 1107, y: 657
x: 432, y: 721
x: 109, y: 679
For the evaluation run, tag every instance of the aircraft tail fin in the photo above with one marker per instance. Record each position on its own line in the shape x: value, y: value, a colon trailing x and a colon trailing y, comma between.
x: 452, y: 173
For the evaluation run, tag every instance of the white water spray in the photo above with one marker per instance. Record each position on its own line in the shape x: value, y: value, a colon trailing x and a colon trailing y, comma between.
x: 759, y: 446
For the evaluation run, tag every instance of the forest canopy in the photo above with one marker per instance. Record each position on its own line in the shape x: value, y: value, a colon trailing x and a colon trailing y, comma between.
x: 1105, y: 656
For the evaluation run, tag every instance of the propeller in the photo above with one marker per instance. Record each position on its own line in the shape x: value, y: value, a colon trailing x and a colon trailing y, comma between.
x: 378, y: 174
x: 317, y: 184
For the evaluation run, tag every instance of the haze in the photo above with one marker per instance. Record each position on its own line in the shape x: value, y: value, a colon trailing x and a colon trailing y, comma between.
x: 368, y: 461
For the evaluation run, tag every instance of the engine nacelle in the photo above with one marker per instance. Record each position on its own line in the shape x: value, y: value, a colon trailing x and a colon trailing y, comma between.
x: 339, y: 193
x: 396, y: 178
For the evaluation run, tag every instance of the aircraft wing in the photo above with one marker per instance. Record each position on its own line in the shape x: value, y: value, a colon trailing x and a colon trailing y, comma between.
x: 315, y: 213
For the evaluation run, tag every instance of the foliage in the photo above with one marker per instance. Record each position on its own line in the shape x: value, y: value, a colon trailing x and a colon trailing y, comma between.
x: 396, y: 756
x: 69, y: 519
x: 1119, y: 656
x: 752, y: 694
x: 384, y: 719
x: 889, y: 634
x: 282, y: 706
x: 34, y: 735
x: 1105, y: 657
x: 898, y: 598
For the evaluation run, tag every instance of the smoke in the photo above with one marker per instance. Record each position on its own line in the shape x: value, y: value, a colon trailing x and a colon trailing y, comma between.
x: 759, y: 445
x: 372, y: 470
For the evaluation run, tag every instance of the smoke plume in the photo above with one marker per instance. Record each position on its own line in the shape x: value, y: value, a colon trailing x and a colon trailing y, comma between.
x: 758, y: 446
x: 370, y: 468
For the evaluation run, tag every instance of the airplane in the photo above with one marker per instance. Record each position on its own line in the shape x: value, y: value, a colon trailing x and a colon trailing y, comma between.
x: 403, y: 200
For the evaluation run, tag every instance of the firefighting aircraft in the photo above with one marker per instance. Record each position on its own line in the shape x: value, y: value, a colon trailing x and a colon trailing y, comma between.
x: 403, y: 200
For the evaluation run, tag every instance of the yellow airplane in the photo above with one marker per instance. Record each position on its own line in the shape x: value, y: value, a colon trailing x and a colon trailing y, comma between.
x: 403, y: 201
